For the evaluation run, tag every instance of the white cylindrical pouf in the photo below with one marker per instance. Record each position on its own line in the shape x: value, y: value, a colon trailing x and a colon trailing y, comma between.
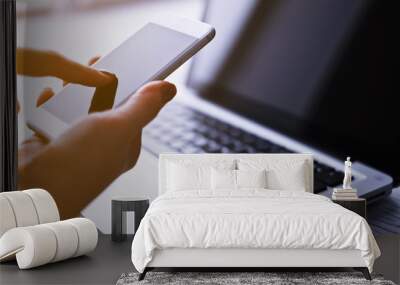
x: 23, y: 208
x: 7, y: 218
x: 37, y: 245
x: 87, y: 234
x: 34, y: 245
x: 45, y: 205
x: 67, y: 239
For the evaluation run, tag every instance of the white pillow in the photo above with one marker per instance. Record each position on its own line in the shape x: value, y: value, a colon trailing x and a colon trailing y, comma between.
x: 226, y: 179
x: 282, y: 174
x: 223, y: 179
x: 292, y: 179
x: 251, y: 178
x: 188, y: 177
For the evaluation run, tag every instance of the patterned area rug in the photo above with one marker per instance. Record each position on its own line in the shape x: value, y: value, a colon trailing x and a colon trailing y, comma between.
x: 243, y: 278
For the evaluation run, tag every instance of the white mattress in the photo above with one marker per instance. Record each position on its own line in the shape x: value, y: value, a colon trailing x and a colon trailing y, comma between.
x: 258, y: 219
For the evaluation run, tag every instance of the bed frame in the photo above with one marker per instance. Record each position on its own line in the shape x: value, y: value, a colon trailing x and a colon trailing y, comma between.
x: 249, y: 259
x: 242, y: 259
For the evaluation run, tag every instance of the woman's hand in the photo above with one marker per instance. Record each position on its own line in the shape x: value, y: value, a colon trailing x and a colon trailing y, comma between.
x: 91, y: 154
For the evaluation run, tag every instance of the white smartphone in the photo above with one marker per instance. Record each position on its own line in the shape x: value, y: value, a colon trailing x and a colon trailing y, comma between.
x: 152, y: 53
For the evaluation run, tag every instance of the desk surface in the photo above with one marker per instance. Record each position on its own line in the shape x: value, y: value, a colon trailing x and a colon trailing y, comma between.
x: 103, y: 266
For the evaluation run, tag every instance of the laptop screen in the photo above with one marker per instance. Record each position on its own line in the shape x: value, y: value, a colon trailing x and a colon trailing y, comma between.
x: 310, y: 69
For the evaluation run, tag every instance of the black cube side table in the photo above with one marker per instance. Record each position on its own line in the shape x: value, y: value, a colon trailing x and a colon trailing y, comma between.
x: 119, y: 207
x: 358, y: 206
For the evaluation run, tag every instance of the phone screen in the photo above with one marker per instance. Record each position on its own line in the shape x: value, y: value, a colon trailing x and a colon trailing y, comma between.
x: 134, y: 63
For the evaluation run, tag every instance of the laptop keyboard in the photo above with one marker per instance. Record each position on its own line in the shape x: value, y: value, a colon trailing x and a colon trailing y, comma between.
x: 186, y: 130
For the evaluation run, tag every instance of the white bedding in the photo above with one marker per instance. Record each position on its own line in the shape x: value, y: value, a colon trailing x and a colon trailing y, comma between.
x: 250, y: 219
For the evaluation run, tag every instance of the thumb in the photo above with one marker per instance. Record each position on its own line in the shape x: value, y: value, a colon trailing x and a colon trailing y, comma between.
x: 145, y: 104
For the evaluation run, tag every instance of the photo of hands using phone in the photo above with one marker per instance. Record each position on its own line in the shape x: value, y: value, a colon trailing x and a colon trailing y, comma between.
x: 78, y: 165
x: 89, y: 133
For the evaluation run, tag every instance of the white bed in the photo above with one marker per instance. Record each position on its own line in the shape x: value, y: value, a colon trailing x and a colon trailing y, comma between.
x: 200, y: 226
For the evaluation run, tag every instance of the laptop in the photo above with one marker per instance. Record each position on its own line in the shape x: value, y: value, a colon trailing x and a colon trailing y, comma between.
x: 279, y: 77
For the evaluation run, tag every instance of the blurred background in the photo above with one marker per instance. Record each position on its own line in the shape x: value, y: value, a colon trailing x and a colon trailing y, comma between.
x: 316, y: 71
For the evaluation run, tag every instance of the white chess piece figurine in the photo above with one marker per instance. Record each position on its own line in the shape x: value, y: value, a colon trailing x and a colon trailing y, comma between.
x: 347, y: 174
